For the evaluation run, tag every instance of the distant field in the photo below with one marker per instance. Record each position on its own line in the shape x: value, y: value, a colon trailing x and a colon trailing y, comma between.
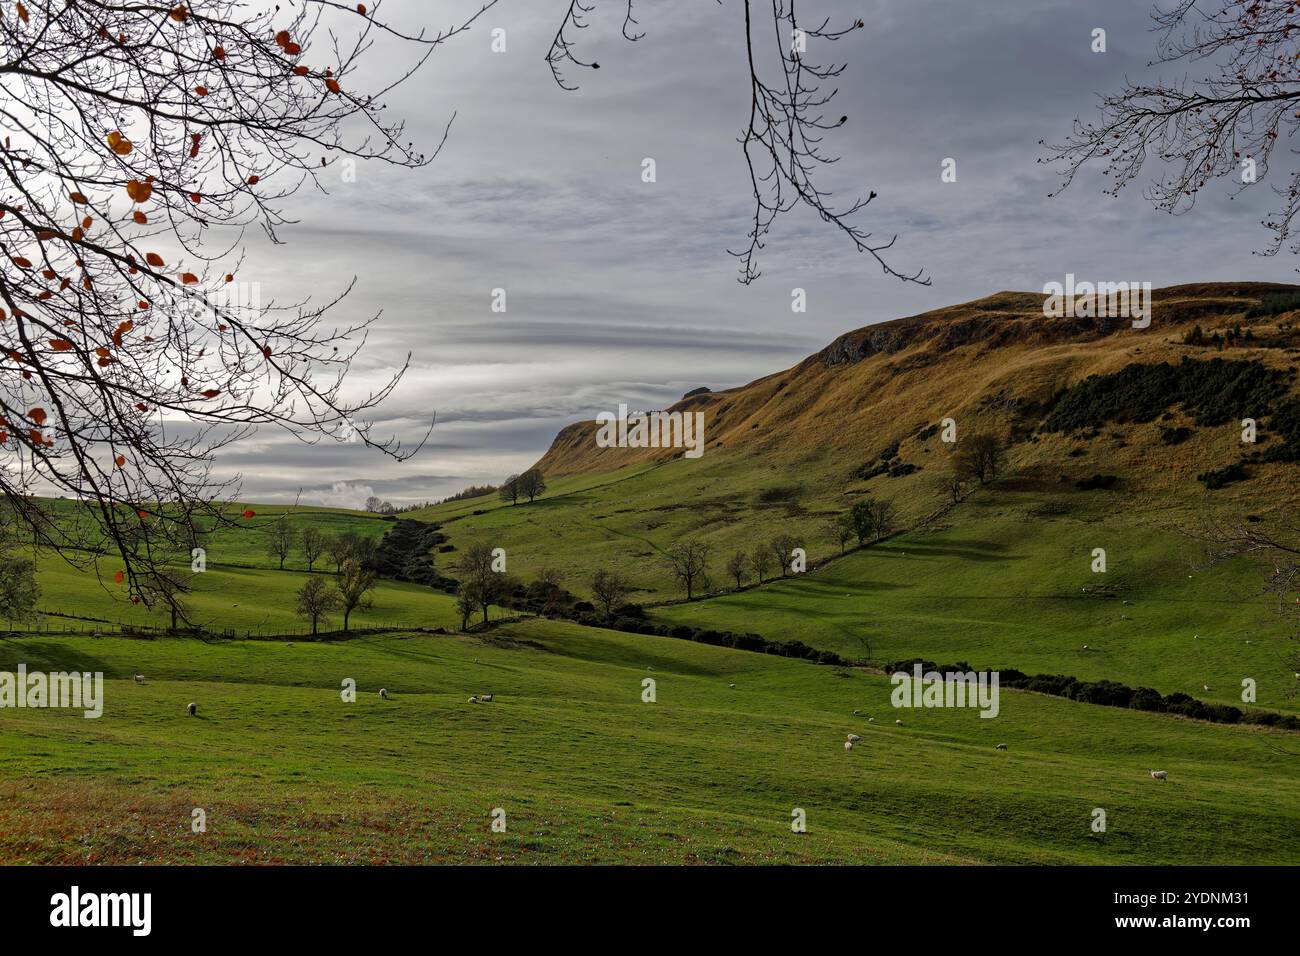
x: 586, y: 772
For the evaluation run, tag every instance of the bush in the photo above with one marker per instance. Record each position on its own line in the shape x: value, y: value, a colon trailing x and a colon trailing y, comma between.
x: 1103, y: 482
x: 1222, y: 476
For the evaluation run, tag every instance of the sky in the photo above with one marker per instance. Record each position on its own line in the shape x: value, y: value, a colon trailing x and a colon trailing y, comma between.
x: 622, y: 291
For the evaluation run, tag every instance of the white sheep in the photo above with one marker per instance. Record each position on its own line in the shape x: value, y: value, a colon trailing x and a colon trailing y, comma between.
x: 854, y: 738
x: 899, y: 722
x: 485, y: 698
x: 383, y: 693
x: 1001, y: 747
x: 871, y: 720
x: 291, y: 643
x: 192, y: 709
x: 1159, y: 774
x: 1205, y: 687
x: 732, y: 686
x: 138, y: 678
x: 857, y: 713
x: 474, y: 699
x: 1085, y: 647
x: 848, y: 745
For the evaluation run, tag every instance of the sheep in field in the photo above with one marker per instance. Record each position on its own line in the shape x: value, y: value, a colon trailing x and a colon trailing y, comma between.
x: 899, y: 723
x: 1159, y: 774
x: 474, y: 699
x: 383, y: 693
x: 138, y: 678
x: 857, y: 713
x: 871, y: 720
x: 1001, y: 747
x: 485, y: 698
x: 192, y: 709
x: 848, y: 745
x: 854, y: 738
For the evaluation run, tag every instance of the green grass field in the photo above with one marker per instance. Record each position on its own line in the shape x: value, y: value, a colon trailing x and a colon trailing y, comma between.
x: 587, y: 772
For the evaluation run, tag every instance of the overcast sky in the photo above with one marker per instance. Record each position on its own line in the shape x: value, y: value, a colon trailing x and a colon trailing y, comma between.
x: 623, y: 291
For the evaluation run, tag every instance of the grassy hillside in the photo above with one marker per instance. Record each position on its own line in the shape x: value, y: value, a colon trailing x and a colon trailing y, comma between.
x: 586, y: 771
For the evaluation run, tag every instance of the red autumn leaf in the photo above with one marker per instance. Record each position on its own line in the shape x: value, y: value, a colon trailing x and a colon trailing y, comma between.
x: 332, y: 85
x: 252, y: 180
x: 211, y: 392
x: 282, y: 38
x: 219, y: 52
x: 119, y: 577
x: 266, y: 351
x: 121, y: 461
x: 292, y: 49
x: 37, y: 415
x: 361, y: 9
x: 179, y: 13
x: 60, y: 345
x: 144, y: 515
x: 78, y: 197
x: 22, y: 262
x: 154, y: 260
x: 189, y: 278
x: 300, y: 71
x: 139, y: 191
x: 140, y: 217
x: 119, y: 143
x: 201, y: 90
x: 249, y: 513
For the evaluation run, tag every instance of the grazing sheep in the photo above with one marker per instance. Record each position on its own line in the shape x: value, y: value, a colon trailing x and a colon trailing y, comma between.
x: 732, y: 686
x: 383, y: 693
x: 138, y: 678
x: 899, y: 722
x: 485, y: 698
x: 871, y: 720
x: 848, y: 745
x: 192, y: 709
x: 474, y: 699
x: 1085, y: 647
x: 291, y: 643
x: 1001, y: 747
x: 1159, y: 774
x: 854, y: 738
x: 1205, y: 687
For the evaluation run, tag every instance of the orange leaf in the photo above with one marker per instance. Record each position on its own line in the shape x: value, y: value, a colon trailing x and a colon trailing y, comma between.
x: 140, y: 217
x: 121, y: 461
x: 300, y: 71
x: 292, y: 49
x: 154, y: 260
x: 249, y: 513
x: 179, y: 13
x: 22, y: 262
x: 22, y: 13
x: 119, y: 143
x: 219, y: 52
x: 211, y: 392
x: 37, y: 415
x: 332, y: 85
x: 189, y: 278
x: 282, y: 38
x: 60, y: 345
x: 252, y: 180
x: 119, y: 577
x: 139, y: 191
x: 361, y: 9
x: 77, y: 197
x: 201, y: 90
x: 266, y: 351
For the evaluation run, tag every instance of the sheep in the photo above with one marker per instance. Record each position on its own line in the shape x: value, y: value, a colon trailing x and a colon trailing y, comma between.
x: 474, y: 699
x: 1001, y: 747
x: 485, y: 698
x: 871, y: 720
x: 291, y: 643
x: 192, y: 709
x: 857, y: 713
x: 854, y: 738
x: 138, y: 678
x: 1159, y: 774
x: 899, y: 723
x: 732, y: 686
x: 1205, y: 687
x: 1085, y: 647
x: 848, y: 745
x: 383, y: 693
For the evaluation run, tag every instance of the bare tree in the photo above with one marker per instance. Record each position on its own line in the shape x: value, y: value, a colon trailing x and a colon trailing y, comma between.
x: 781, y: 548
x: 479, y: 582
x: 689, y: 563
x: 313, y: 545
x: 531, y: 484
x: 883, y: 517
x: 761, y: 559
x: 316, y: 598
x: 841, y: 531
x: 1227, y: 122
x: 737, y: 565
x: 981, y: 457
x: 783, y: 139
x: 141, y: 140
x: 610, y: 589
x: 354, y: 583
x: 510, y: 490
x: 280, y: 541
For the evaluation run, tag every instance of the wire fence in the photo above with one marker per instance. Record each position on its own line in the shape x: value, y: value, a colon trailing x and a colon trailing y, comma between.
x: 54, y: 624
